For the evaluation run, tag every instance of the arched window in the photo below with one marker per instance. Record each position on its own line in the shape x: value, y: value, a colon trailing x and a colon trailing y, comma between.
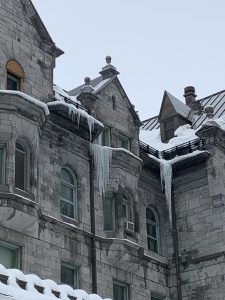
x: 68, y: 193
x: 152, y: 224
x: 15, y: 76
x: 22, y: 165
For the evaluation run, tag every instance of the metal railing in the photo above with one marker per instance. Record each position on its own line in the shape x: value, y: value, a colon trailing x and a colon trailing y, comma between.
x: 179, y: 150
x: 69, y: 101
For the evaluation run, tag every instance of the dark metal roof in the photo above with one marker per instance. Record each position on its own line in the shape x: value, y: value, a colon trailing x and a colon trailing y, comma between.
x: 217, y: 101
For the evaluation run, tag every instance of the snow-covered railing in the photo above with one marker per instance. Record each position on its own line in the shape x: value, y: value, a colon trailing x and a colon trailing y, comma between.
x: 76, y: 104
x: 15, y: 285
x: 148, y: 149
x: 182, y: 149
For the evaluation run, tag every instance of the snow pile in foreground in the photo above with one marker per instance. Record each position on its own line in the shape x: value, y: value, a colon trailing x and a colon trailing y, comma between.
x: 183, y: 134
x: 61, y: 94
x: 13, y: 291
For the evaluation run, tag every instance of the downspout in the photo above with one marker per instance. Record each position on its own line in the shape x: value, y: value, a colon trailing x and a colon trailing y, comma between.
x: 92, y: 215
x: 175, y: 244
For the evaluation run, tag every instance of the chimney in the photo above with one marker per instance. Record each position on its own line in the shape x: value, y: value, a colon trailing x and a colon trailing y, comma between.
x: 209, y: 110
x: 189, y: 95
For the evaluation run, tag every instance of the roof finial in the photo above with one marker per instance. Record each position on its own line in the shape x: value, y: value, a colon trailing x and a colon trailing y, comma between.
x: 87, y: 81
x: 108, y: 59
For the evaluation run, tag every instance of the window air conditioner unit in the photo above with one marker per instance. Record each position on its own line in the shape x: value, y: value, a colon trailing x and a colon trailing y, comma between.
x: 130, y: 226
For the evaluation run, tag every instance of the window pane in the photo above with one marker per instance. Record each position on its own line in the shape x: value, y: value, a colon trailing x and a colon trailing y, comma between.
x: 20, y: 166
x: 69, y: 275
x: 1, y: 165
x: 152, y: 245
x: 120, y: 291
x: 66, y: 176
x: 150, y: 215
x: 12, y: 82
x: 108, y: 208
x: 151, y: 230
x: 9, y: 257
x: 106, y: 137
x: 67, y: 209
x: 66, y: 192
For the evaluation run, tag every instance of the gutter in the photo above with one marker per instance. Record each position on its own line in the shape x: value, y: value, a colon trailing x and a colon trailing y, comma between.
x: 176, y: 245
x: 92, y: 216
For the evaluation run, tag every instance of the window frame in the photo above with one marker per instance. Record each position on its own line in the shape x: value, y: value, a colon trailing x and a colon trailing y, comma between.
x: 156, y: 297
x: 106, y: 130
x: 76, y: 275
x: 157, y: 229
x: 3, y: 164
x: 109, y: 196
x: 123, y: 138
x: 128, y: 202
x: 74, y: 189
x: 14, y: 69
x: 123, y: 285
x: 16, y: 249
x: 27, y: 164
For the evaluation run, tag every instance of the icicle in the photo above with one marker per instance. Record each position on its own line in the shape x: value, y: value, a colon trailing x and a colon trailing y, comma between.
x: 102, y: 159
x: 166, y: 173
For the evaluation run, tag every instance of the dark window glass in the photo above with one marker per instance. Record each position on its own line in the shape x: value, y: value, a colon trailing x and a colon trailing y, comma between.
x: 20, y: 166
x: 13, y: 82
x: 69, y: 275
x: 120, y: 291
x: 152, y: 226
x: 109, y: 213
x: 68, y: 194
x: 169, y: 129
x: 2, y: 165
x: 106, y: 136
x: 9, y: 255
x: 124, y: 142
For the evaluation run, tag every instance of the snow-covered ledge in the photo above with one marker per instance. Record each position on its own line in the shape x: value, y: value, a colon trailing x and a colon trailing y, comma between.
x: 14, y: 285
x: 28, y: 98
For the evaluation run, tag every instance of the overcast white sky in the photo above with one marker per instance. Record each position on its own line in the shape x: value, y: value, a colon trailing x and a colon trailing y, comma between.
x: 156, y: 45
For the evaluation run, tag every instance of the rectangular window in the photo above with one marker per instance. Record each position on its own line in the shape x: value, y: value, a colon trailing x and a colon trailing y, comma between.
x: 120, y: 291
x: 169, y: 129
x: 2, y: 164
x: 109, y: 212
x: 70, y: 275
x: 106, y: 136
x: 9, y: 255
x: 124, y: 142
x: 13, y: 82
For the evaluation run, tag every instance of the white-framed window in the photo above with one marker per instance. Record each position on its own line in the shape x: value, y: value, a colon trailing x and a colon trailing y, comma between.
x: 127, y: 208
x: 9, y: 255
x: 109, y: 212
x: 2, y: 163
x: 124, y: 142
x: 68, y: 193
x: 70, y: 275
x: 105, y: 136
x: 120, y: 290
x: 22, y: 165
x: 152, y: 225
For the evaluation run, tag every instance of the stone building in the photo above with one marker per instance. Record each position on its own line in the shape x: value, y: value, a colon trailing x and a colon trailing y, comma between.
x: 81, y: 197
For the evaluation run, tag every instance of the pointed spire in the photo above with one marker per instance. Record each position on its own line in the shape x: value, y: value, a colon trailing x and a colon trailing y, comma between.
x: 108, y: 70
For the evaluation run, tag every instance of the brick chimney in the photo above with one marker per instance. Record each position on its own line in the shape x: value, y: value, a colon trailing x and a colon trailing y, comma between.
x: 189, y: 95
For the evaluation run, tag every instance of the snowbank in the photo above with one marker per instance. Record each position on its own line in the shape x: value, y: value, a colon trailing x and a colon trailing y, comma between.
x: 61, y: 94
x: 12, y: 290
x: 220, y: 122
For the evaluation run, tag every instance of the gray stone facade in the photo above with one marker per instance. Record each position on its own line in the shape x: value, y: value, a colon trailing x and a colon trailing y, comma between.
x: 31, y: 219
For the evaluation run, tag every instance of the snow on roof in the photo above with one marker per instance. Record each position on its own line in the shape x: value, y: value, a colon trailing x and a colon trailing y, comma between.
x: 183, y: 134
x: 13, y: 290
x: 28, y: 98
x: 61, y: 94
x: 181, y: 108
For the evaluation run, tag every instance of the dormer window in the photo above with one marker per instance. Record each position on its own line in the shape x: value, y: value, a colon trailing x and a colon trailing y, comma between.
x: 169, y: 129
x: 15, y: 76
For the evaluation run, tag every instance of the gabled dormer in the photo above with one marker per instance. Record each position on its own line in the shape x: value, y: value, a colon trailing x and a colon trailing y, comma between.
x: 173, y: 113
x: 106, y: 100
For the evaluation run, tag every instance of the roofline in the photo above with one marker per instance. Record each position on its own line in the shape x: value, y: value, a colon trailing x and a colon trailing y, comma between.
x: 211, y: 95
x: 150, y: 118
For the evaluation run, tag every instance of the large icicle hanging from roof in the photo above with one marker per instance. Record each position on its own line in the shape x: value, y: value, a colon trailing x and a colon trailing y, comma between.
x: 102, y: 159
x: 166, y: 173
